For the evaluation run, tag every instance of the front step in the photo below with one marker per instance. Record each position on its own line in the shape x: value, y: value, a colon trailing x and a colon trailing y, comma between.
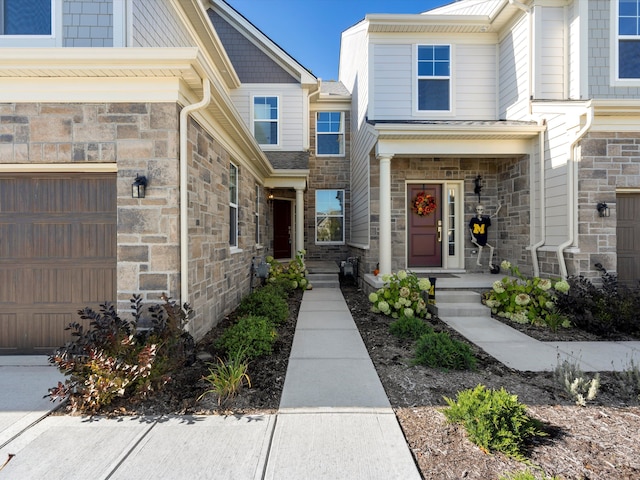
x: 324, y: 280
x: 459, y: 303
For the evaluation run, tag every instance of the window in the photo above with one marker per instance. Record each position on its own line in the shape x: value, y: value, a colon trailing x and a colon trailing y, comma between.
x: 265, y: 120
x: 329, y: 216
x: 257, y: 213
x: 629, y: 39
x: 329, y: 133
x: 25, y: 17
x: 233, y: 205
x: 434, y: 77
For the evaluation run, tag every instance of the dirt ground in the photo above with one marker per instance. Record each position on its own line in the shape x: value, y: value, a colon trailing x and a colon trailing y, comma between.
x: 599, y: 441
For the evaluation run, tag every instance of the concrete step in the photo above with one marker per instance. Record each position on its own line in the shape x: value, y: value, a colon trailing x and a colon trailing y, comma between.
x: 457, y: 296
x: 459, y: 303
x: 324, y: 280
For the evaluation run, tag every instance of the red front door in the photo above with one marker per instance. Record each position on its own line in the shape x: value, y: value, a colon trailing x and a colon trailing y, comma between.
x: 281, y: 229
x: 424, y: 232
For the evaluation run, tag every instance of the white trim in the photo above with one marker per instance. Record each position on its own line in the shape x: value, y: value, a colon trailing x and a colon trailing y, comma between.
x: 343, y: 216
x: 415, y: 95
x: 614, y: 43
x: 58, y: 167
x: 53, y: 40
x: 234, y: 205
x: 341, y: 133
x: 267, y: 146
x: 121, y: 14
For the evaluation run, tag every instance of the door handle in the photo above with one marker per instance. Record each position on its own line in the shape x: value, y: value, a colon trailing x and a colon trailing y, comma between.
x: 439, y: 231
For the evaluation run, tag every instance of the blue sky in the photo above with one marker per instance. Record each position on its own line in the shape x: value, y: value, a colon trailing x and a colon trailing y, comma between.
x: 309, y: 30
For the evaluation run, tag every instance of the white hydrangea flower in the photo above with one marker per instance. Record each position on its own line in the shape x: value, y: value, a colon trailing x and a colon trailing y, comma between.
x: 505, y: 265
x: 373, y: 297
x: 562, y: 286
x: 424, y: 284
x: 544, y: 284
x: 522, y: 299
x: 498, y: 287
x: 401, y: 274
x: 408, y: 312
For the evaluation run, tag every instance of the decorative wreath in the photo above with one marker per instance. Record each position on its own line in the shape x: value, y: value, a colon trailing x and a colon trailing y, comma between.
x: 424, y: 204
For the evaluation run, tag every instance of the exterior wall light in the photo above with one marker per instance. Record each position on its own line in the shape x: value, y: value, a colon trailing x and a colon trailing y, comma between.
x: 139, y: 186
x: 603, y: 209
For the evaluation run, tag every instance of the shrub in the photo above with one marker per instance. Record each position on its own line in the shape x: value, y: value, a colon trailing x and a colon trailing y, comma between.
x: 605, y: 311
x: 113, y: 358
x: 402, y: 295
x: 280, y: 286
x: 574, y: 382
x: 526, y: 300
x: 409, y: 327
x: 439, y: 350
x: 227, y: 377
x: 265, y: 303
x: 527, y: 475
x: 254, y: 336
x: 295, y: 272
x: 494, y: 420
x: 628, y: 381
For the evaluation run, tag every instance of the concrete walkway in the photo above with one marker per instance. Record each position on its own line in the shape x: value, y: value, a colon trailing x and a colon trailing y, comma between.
x: 335, y: 422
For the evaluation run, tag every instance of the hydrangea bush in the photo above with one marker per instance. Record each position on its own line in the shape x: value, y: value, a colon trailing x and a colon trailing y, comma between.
x: 296, y: 271
x: 402, y: 295
x: 526, y: 300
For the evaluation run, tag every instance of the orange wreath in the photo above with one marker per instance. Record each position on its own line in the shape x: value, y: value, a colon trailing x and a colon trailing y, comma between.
x: 424, y: 204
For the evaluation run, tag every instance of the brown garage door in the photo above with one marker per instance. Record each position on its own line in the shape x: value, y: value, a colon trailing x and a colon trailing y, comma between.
x: 628, y: 238
x: 57, y: 255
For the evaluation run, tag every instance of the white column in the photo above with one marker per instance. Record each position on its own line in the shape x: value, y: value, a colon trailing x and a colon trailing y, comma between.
x: 299, y: 219
x: 384, y: 242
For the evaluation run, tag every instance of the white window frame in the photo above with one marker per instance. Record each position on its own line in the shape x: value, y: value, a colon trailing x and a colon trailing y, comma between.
x: 416, y: 88
x: 341, y: 215
x: 616, y: 80
x: 254, y: 120
x: 257, y: 214
x: 52, y: 40
x: 340, y: 134
x: 233, y: 206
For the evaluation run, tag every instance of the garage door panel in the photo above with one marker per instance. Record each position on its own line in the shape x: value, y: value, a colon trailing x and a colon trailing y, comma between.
x: 57, y: 255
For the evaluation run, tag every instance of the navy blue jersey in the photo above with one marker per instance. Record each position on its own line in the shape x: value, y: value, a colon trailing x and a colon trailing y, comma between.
x: 480, y: 228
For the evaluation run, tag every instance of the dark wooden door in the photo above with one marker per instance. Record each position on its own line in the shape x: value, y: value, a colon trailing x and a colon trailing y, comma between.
x: 281, y: 229
x: 628, y: 238
x: 424, y: 232
x: 57, y: 255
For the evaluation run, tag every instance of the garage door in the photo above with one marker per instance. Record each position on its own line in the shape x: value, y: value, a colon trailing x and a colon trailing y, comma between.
x: 628, y: 238
x: 57, y: 255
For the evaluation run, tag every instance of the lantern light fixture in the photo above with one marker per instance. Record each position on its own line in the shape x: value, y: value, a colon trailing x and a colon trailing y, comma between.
x: 603, y: 209
x: 139, y: 187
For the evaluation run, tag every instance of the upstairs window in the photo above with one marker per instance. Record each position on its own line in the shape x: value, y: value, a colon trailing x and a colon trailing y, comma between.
x: 329, y: 133
x: 434, y: 77
x: 265, y: 120
x: 25, y: 17
x: 233, y: 205
x: 330, y: 216
x: 628, y: 39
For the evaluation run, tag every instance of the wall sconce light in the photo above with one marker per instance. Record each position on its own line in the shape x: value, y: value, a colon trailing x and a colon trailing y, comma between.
x: 603, y: 209
x: 270, y: 195
x: 139, y: 186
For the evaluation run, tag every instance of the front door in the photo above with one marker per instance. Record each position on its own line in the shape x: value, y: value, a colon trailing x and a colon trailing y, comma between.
x: 424, y: 225
x: 282, y: 229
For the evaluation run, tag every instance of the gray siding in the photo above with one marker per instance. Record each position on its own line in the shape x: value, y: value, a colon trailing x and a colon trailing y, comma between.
x: 251, y: 63
x: 155, y: 25
x: 87, y: 23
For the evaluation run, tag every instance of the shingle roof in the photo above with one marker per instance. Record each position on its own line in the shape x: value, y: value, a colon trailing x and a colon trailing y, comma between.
x: 288, y: 160
x: 334, y: 88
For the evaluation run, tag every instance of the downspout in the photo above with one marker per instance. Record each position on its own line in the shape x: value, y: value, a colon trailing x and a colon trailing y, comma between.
x: 184, y: 194
x: 572, y: 180
x: 543, y: 206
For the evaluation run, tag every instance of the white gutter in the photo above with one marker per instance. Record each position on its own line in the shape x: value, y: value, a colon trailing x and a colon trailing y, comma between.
x: 543, y: 206
x: 572, y: 181
x: 184, y: 194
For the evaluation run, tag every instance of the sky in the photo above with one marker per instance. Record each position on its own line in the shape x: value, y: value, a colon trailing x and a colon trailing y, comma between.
x: 309, y: 30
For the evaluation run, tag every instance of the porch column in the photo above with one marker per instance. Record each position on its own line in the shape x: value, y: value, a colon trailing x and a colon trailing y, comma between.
x: 299, y: 219
x: 384, y: 242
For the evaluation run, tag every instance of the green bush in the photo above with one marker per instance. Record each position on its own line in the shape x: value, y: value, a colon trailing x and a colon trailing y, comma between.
x: 265, y: 302
x: 527, y: 475
x: 439, y: 350
x: 295, y: 272
x: 113, y: 358
x: 281, y: 286
x: 228, y: 377
x: 252, y: 335
x: 409, y: 327
x: 494, y: 420
x: 402, y: 295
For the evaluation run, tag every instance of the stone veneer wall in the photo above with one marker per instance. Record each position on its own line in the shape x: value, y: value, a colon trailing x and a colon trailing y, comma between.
x: 142, y: 138
x: 218, y: 277
x: 504, y: 179
x: 327, y: 173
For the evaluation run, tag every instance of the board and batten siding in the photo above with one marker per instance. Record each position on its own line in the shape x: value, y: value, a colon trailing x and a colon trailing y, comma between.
x: 575, y: 27
x: 550, y: 54
x: 292, y: 111
x: 154, y: 24
x: 394, y: 82
x: 513, y: 71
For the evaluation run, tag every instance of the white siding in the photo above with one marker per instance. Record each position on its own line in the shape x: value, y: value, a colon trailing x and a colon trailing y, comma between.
x: 575, y: 44
x: 556, y: 158
x: 514, y: 73
x: 550, y: 53
x: 473, y: 82
x: 154, y: 24
x: 293, y: 120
